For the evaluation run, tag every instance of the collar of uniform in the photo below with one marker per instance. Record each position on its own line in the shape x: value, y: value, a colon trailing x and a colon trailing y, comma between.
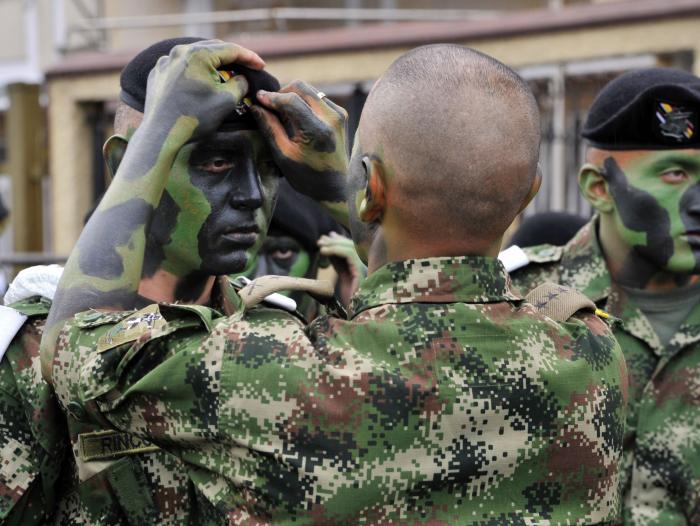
x: 583, y: 265
x: 466, y: 279
x: 587, y: 271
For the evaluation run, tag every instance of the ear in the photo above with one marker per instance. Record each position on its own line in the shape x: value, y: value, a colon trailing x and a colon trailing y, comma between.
x: 373, y: 203
x: 113, y: 153
x: 594, y: 188
x: 534, y: 188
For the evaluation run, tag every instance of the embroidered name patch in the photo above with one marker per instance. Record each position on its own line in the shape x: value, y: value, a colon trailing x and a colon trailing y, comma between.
x: 106, y: 445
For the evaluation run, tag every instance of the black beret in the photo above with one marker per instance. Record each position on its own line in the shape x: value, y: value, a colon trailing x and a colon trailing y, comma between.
x: 134, y: 80
x: 301, y: 218
x: 646, y: 109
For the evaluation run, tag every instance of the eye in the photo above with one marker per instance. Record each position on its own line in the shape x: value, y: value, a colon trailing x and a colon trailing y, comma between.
x: 284, y: 255
x: 674, y: 176
x: 216, y: 165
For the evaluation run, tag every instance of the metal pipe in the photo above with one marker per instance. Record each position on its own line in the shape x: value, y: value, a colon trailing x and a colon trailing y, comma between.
x: 284, y: 13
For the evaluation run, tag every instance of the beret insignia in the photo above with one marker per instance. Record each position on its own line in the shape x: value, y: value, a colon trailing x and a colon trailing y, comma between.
x: 675, y: 122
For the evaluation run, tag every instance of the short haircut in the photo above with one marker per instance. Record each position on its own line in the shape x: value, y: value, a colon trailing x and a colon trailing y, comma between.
x: 126, y: 119
x: 461, y: 132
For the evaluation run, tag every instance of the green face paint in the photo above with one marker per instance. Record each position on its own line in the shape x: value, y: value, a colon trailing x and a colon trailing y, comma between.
x: 657, y: 208
x: 221, y: 192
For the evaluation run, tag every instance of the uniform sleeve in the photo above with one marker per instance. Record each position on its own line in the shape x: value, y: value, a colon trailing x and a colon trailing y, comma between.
x: 588, y: 450
x: 18, y: 468
x: 666, y: 466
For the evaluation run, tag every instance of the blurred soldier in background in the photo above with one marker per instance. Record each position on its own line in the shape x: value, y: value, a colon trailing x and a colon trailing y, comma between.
x: 639, y: 259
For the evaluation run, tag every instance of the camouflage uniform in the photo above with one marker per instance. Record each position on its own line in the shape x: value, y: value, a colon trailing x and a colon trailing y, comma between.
x: 444, y: 399
x: 661, y: 483
x: 32, y: 430
x: 123, y: 479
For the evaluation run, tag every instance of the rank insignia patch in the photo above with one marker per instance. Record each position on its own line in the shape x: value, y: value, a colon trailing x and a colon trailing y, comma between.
x: 131, y: 328
x: 675, y: 123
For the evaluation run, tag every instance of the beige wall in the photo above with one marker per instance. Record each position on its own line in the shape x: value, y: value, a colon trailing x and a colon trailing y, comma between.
x: 70, y: 158
x: 12, y: 27
x: 70, y: 152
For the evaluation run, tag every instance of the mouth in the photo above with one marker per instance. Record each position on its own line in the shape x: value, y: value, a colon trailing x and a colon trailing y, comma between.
x: 692, y: 237
x: 245, y: 236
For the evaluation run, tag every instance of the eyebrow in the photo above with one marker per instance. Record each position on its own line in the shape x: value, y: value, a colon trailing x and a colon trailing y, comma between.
x: 688, y: 163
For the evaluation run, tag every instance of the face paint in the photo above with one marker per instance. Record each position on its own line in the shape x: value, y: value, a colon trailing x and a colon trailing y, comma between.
x: 657, y: 208
x: 280, y: 256
x: 224, y: 188
x: 283, y: 256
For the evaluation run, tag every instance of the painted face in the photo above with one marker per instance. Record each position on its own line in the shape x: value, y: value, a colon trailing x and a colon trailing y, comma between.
x: 282, y: 256
x: 657, y: 206
x: 218, y: 204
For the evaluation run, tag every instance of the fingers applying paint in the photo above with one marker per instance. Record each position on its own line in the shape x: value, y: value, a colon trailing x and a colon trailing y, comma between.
x: 307, y: 136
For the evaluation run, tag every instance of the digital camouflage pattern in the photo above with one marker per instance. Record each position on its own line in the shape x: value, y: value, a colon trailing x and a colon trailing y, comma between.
x: 661, y: 479
x: 444, y: 399
x: 32, y: 431
x: 148, y: 485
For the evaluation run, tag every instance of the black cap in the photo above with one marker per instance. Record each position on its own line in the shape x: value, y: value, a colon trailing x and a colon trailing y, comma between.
x: 134, y: 80
x: 646, y: 109
x: 301, y: 218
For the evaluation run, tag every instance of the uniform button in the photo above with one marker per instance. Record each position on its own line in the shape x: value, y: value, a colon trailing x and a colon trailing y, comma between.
x: 77, y: 411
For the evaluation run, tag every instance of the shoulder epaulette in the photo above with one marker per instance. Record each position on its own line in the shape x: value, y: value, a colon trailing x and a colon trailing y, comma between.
x: 132, y: 328
x: 543, y: 253
x: 32, y: 306
x: 559, y: 302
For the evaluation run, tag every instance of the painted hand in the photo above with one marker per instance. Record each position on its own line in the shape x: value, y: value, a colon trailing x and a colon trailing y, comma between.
x: 307, y: 135
x: 186, y: 84
x: 351, y: 271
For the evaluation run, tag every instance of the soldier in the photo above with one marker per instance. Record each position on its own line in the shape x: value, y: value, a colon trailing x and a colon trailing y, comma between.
x: 639, y: 259
x: 216, y: 206
x: 32, y: 428
x: 445, y: 398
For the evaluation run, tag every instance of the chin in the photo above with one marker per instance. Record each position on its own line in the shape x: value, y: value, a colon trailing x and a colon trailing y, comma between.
x: 230, y: 263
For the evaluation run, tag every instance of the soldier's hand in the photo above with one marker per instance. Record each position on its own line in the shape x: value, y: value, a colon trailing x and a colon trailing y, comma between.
x: 186, y: 84
x: 307, y: 135
x: 351, y: 271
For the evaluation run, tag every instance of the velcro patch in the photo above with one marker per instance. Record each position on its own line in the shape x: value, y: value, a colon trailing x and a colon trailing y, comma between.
x: 108, y: 445
x: 132, y: 328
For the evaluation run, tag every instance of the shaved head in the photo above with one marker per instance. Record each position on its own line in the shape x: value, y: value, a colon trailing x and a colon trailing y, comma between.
x: 126, y: 119
x: 459, y: 134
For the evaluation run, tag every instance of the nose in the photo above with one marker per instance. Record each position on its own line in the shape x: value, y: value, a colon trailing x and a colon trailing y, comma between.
x: 245, y: 191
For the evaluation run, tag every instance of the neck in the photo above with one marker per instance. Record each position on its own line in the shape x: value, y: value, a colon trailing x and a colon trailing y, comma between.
x: 163, y: 286
x: 629, y: 268
x: 403, y: 245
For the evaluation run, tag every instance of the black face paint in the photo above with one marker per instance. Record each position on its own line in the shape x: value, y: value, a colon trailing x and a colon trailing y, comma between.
x: 641, y: 212
x: 236, y: 196
x: 690, y: 215
x: 158, y: 235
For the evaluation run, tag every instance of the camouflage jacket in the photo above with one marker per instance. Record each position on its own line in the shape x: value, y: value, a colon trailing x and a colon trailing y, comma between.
x: 444, y: 399
x: 32, y: 430
x: 662, y: 442
x: 122, y: 479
